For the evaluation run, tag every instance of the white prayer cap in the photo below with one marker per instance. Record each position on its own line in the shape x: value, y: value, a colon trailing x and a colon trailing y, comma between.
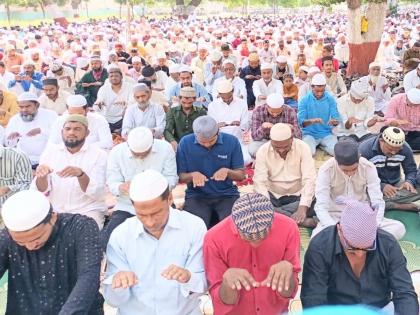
x: 413, y: 96
x: 215, y: 56
x: 281, y: 59
x: 76, y: 101
x: 280, y: 132
x: 266, y: 66
x: 275, y: 100
x: 82, y: 62
x: 147, y: 185
x: 140, y: 87
x: 25, y: 210
x: 202, y: 46
x: 228, y: 61
x: 192, y: 47
x: 136, y: 59
x: 153, y: 41
x: 313, y: 70
x: 27, y: 96
x: 304, y: 68
x: 185, y: 68
x: 161, y: 55
x: 174, y: 69
x: 224, y: 86
x: 140, y: 139
x: 318, y: 79
x: 359, y: 90
x: 374, y: 64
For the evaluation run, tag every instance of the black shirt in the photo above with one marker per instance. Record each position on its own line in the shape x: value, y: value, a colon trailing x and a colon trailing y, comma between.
x: 62, y: 277
x: 329, y: 279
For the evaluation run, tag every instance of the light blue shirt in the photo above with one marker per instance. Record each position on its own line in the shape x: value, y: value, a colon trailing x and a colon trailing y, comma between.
x: 325, y: 108
x: 209, y: 77
x: 200, y: 91
x: 131, y: 248
x: 122, y: 166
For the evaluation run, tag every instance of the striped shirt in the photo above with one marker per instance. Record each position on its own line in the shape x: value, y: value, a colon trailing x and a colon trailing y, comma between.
x: 15, y: 171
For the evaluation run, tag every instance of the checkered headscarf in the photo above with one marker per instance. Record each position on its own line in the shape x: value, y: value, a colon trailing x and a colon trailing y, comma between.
x: 253, y: 215
x: 358, y: 222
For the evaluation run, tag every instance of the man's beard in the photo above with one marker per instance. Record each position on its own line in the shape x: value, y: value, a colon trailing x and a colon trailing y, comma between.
x: 185, y: 85
x: 28, y: 117
x: 73, y: 143
x: 142, y: 105
x: 374, y: 78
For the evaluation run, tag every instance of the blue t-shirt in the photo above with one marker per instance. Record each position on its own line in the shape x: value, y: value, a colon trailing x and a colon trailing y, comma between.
x: 193, y: 157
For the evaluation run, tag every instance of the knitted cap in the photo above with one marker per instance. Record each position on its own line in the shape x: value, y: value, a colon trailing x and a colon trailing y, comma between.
x: 394, y: 136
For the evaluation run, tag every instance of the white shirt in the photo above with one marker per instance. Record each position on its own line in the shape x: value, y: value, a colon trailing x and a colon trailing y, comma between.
x: 1, y: 137
x: 65, y: 194
x: 380, y: 97
x: 259, y: 87
x: 32, y: 146
x: 115, y: 103
x: 99, y: 132
x: 342, y: 52
x: 239, y: 88
x: 59, y: 105
x: 170, y: 83
x: 152, y: 117
x: 6, y: 78
x: 123, y: 166
x: 411, y: 80
x: 237, y: 110
x: 362, y: 111
x: 131, y: 248
x: 63, y: 82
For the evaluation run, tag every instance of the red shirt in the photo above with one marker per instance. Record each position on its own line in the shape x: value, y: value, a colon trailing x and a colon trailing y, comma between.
x: 336, y: 64
x: 223, y: 248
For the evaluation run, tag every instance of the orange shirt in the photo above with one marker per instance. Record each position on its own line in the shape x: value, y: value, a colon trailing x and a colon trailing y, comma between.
x: 10, y: 61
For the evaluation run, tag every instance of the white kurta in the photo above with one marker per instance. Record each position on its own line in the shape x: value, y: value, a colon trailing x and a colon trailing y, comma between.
x: 32, y: 146
x: 115, y: 103
x: 259, y: 87
x: 99, y: 132
x: 152, y: 117
x: 380, y: 97
x: 63, y: 82
x: 59, y: 105
x: 237, y: 110
x: 239, y: 88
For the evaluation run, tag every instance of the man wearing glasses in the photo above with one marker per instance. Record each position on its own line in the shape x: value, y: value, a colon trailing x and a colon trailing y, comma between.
x: 354, y: 262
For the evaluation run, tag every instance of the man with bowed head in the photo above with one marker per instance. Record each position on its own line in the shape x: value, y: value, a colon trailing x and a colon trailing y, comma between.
x: 166, y: 276
x: 252, y: 259
x: 53, y: 259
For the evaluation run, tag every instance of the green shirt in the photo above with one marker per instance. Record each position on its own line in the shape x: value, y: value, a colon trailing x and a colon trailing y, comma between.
x: 179, y: 124
x: 91, y: 92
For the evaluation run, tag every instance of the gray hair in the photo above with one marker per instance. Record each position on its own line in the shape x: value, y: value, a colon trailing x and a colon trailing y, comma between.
x: 205, y: 127
x: 140, y: 87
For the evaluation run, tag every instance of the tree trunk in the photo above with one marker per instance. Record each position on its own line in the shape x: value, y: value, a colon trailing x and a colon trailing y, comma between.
x: 41, y: 4
x: 120, y: 9
x: 87, y: 9
x: 363, y: 47
x: 8, y: 12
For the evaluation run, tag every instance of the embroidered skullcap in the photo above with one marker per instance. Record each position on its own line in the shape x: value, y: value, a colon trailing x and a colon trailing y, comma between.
x: 394, y: 136
x: 253, y: 215
x: 82, y: 62
x: 136, y: 59
x: 95, y: 58
x: 253, y: 57
x: 281, y: 59
x: 374, y: 64
x: 27, y: 96
x: 266, y: 66
x: 77, y: 118
x: 50, y: 81
x: 56, y: 66
x: 318, y: 79
x: 147, y: 71
x: 147, y: 185
x: 205, y: 127
x: 413, y: 96
x: 76, y: 101
x: 275, y: 100
x: 224, y: 86
x: 25, y: 210
x: 346, y: 152
x: 187, y: 91
x: 192, y: 47
x: 359, y: 90
x: 358, y: 222
x: 280, y: 132
x: 140, y: 87
x: 140, y: 139
x: 28, y: 63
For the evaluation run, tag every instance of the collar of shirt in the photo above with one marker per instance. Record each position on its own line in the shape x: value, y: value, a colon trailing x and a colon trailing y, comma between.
x: 173, y: 223
x: 179, y: 109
